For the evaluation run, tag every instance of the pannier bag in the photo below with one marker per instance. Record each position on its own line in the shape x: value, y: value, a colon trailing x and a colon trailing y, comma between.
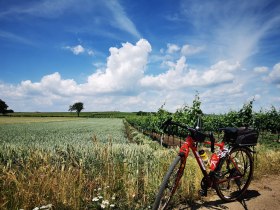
x: 241, y: 136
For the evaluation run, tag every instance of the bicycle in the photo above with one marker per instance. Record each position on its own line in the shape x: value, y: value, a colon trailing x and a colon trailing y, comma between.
x: 231, y: 168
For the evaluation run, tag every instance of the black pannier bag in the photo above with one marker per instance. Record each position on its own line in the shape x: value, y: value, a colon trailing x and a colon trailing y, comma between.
x: 241, y: 136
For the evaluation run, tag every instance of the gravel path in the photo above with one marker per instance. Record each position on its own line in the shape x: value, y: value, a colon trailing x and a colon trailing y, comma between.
x: 263, y: 194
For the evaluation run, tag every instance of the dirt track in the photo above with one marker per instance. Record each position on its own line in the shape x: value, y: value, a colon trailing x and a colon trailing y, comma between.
x: 263, y: 194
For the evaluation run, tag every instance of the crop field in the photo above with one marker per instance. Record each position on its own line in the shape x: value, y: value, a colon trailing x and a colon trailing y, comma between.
x: 16, y: 120
x: 112, y: 114
x: 50, y: 132
x: 77, y: 164
x: 87, y: 163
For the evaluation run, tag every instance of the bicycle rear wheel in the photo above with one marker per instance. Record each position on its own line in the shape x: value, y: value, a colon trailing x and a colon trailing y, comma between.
x: 170, y: 183
x: 234, y: 174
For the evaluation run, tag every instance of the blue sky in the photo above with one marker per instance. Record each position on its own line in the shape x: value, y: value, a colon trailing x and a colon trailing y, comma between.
x: 136, y: 55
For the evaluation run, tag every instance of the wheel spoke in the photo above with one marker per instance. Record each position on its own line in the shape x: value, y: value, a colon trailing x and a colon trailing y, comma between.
x: 235, y: 174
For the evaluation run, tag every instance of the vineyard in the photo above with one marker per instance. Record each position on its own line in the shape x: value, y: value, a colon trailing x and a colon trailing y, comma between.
x: 267, y: 122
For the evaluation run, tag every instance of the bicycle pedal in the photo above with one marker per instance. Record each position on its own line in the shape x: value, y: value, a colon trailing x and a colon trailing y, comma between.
x: 202, y: 192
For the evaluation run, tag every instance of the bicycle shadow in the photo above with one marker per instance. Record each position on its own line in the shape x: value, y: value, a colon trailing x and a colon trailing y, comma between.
x: 221, y: 205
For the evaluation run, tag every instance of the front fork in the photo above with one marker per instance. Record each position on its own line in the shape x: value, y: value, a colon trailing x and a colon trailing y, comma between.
x: 185, y: 148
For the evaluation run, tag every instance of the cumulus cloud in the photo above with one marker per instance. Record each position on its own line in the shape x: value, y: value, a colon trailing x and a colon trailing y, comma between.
x: 222, y: 98
x: 274, y: 75
x: 221, y: 72
x: 76, y: 49
x: 172, y: 48
x: 122, y: 83
x: 125, y: 67
x: 180, y: 76
x: 51, y: 84
x: 185, y: 50
x: 79, y: 49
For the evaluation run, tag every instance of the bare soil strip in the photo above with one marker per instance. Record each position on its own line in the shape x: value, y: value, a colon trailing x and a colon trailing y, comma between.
x: 263, y: 194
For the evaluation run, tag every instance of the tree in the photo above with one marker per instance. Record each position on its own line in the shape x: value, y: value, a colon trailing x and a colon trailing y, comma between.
x: 4, y: 108
x: 78, y: 107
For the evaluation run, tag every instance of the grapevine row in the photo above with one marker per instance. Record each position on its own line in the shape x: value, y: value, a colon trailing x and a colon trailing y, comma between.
x: 264, y: 120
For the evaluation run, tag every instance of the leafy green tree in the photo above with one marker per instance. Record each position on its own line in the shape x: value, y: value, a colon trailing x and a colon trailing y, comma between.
x: 78, y: 107
x: 4, y: 108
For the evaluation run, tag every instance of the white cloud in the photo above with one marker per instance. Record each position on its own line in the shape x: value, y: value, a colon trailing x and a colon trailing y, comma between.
x: 225, y: 97
x: 51, y: 84
x: 274, y: 75
x: 190, y: 50
x: 261, y: 69
x: 223, y: 71
x: 90, y: 52
x: 124, y: 84
x: 172, y: 48
x: 109, y: 11
x: 172, y: 79
x: 184, y: 50
x: 121, y: 20
x: 76, y: 49
x: 79, y: 49
x: 125, y: 67
x: 180, y: 76
x: 234, y: 29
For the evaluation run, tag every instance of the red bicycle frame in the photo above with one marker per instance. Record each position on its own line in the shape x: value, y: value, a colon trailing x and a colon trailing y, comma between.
x: 191, y: 144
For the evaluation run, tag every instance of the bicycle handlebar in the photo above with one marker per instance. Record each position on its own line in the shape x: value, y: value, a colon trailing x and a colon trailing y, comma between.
x: 170, y: 122
x: 193, y: 131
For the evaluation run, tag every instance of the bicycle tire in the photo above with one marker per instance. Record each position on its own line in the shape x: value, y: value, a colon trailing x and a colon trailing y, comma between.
x: 234, y: 174
x: 176, y: 169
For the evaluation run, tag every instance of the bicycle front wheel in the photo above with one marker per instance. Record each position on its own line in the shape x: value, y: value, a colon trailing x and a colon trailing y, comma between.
x: 234, y: 174
x: 170, y: 183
